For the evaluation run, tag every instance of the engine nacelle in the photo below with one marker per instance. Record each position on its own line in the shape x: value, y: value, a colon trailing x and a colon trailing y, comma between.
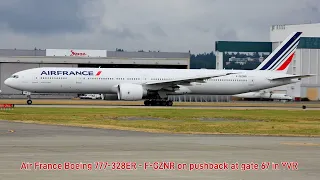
x: 130, y: 92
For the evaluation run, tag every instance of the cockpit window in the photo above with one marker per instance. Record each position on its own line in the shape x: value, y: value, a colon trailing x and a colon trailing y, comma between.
x: 15, y: 76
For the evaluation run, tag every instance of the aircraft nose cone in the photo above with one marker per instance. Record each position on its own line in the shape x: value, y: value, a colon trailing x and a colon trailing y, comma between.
x: 7, y: 82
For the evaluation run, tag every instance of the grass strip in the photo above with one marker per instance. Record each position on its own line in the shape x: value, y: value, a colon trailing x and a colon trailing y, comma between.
x: 193, y: 121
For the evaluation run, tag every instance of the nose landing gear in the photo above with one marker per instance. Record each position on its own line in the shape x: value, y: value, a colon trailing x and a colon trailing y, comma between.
x: 29, y: 101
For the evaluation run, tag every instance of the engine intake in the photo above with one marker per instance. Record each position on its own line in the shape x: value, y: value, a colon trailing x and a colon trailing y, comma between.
x: 130, y: 92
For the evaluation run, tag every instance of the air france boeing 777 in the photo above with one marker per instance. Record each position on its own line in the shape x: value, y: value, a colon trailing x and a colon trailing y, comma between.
x: 154, y: 85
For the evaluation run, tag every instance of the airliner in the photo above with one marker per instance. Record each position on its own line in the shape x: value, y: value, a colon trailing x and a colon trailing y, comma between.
x: 264, y: 95
x: 154, y: 85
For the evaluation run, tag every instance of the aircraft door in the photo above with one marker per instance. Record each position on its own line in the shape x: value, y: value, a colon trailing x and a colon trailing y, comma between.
x: 35, y: 80
x: 79, y: 81
x: 250, y: 82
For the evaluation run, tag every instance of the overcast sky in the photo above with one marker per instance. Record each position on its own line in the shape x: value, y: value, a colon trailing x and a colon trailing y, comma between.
x: 165, y: 25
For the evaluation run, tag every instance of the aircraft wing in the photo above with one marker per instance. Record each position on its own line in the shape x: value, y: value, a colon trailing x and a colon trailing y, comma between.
x: 183, y: 81
x: 292, y: 77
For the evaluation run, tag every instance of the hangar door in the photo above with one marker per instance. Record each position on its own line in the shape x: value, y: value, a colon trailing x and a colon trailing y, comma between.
x: 312, y: 94
x: 7, y: 69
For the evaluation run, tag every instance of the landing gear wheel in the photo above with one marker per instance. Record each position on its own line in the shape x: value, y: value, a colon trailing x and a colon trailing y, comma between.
x: 156, y: 102
x: 147, y: 103
x: 29, y: 102
x: 169, y: 103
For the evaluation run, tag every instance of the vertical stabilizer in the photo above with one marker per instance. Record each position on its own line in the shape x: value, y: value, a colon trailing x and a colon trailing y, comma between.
x: 280, y: 59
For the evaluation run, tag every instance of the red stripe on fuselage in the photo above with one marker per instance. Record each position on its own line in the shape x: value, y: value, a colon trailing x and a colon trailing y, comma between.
x: 286, y: 63
x: 98, y: 73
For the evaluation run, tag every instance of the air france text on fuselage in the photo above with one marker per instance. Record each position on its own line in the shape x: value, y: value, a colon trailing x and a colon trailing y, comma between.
x: 67, y: 73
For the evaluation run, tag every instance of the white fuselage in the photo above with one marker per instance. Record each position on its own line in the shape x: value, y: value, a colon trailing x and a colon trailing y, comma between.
x: 35, y: 81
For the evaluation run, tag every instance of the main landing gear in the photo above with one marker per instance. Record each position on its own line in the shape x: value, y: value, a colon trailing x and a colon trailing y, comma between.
x: 158, y: 102
x: 29, y: 101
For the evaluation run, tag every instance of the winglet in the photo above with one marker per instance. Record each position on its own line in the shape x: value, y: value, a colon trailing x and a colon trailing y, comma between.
x: 280, y: 59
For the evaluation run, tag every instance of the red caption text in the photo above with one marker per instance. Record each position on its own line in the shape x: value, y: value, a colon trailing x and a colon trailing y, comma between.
x: 105, y: 165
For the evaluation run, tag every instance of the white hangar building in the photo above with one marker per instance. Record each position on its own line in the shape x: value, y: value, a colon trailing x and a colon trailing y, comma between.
x: 305, y: 61
x: 12, y: 60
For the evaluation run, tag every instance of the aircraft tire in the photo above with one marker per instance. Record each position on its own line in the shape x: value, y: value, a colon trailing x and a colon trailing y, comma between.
x: 147, y: 103
x: 169, y: 103
x: 156, y: 102
x: 29, y: 101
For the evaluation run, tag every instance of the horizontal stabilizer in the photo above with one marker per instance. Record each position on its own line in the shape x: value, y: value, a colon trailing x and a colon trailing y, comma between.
x: 292, y: 77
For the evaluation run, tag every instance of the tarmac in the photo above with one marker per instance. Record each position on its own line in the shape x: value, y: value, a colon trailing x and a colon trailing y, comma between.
x: 239, y: 107
x: 222, y: 156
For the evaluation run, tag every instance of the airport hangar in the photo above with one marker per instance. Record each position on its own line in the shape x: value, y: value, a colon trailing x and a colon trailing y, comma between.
x: 13, y: 60
x: 305, y: 61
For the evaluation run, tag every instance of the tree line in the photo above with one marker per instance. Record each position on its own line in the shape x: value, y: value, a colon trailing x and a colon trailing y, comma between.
x: 208, y: 60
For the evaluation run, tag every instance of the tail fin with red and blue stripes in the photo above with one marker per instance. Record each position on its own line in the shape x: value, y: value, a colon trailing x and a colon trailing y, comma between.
x: 280, y: 59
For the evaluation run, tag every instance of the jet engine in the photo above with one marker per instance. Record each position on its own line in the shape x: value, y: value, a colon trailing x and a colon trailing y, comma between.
x: 130, y: 92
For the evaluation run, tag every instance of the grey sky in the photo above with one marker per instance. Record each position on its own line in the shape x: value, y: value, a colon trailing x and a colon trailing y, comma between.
x: 166, y: 25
